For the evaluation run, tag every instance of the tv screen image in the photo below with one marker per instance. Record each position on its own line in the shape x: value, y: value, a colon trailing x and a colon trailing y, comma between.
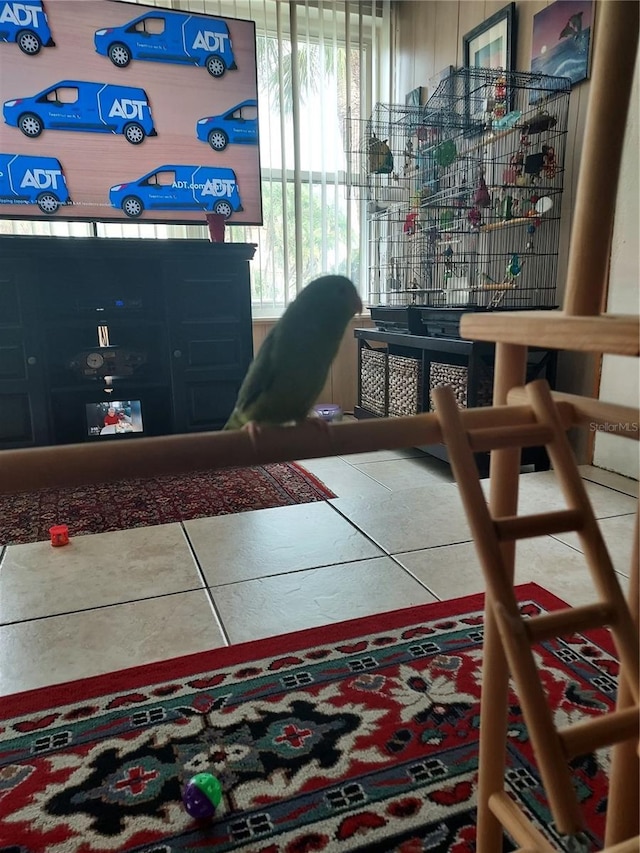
x: 114, y: 417
x: 119, y: 111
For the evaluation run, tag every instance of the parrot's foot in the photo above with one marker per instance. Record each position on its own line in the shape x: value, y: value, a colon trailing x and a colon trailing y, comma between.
x: 319, y: 423
x: 254, y: 429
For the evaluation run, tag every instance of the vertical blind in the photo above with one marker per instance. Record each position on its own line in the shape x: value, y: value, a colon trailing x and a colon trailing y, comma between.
x: 320, y: 63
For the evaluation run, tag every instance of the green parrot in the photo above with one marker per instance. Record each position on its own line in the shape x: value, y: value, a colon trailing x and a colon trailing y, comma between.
x: 291, y: 367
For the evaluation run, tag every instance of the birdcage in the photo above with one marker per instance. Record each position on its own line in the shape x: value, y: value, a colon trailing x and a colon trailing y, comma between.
x: 481, y: 168
x: 378, y: 149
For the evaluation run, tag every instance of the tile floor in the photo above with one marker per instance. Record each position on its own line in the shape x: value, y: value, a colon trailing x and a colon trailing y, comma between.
x: 395, y: 536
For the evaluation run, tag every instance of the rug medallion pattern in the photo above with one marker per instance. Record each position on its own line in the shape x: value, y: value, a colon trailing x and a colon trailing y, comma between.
x: 361, y: 736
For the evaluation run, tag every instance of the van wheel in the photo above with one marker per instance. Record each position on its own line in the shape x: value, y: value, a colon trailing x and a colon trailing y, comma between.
x: 218, y: 140
x: 224, y: 208
x: 30, y: 124
x: 132, y: 206
x: 29, y: 42
x: 48, y: 203
x: 133, y: 133
x: 215, y: 66
x: 119, y: 54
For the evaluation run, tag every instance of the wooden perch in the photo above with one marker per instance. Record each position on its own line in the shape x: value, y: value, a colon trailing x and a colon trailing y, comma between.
x: 80, y: 464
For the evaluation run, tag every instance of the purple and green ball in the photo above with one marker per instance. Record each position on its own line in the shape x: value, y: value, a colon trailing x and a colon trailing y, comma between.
x: 202, y: 796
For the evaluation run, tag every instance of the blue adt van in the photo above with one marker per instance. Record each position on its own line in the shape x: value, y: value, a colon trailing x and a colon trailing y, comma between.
x: 162, y: 36
x: 80, y: 105
x: 26, y: 24
x: 179, y: 188
x: 239, y: 125
x: 32, y: 180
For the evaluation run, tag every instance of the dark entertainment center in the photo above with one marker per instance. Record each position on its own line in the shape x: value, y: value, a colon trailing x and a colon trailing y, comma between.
x: 164, y: 324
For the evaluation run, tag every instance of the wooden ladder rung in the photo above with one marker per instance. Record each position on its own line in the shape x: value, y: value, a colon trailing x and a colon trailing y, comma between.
x: 561, y: 623
x: 517, y: 824
x: 590, y: 411
x: 607, y: 729
x: 522, y: 435
x: 513, y: 527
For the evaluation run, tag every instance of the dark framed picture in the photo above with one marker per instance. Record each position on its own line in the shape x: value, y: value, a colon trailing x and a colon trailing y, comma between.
x: 492, y: 44
x: 562, y: 39
x: 414, y: 97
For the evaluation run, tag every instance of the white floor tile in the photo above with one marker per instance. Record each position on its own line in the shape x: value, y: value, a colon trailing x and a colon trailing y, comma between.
x: 93, y: 571
x: 608, y: 478
x: 408, y: 473
x: 618, y: 536
x: 278, y: 570
x: 278, y: 605
x: 409, y: 518
x: 455, y: 570
x: 248, y: 545
x: 342, y: 478
x: 382, y: 456
x: 62, y: 648
x: 540, y: 492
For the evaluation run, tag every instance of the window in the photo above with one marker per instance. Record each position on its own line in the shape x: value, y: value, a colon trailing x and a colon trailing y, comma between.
x: 161, y: 179
x: 62, y: 95
x: 150, y: 26
x: 319, y: 62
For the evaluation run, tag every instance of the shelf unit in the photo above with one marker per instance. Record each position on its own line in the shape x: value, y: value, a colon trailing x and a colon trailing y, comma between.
x: 397, y: 373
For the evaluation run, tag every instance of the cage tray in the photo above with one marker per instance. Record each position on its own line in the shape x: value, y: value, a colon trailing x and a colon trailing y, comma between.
x: 429, y: 321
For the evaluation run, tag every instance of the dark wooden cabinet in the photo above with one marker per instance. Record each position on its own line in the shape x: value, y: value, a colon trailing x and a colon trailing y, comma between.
x: 397, y: 372
x: 23, y: 409
x: 172, y: 318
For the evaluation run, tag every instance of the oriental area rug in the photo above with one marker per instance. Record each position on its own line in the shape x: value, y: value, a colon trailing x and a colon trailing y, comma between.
x: 358, y: 736
x: 27, y: 517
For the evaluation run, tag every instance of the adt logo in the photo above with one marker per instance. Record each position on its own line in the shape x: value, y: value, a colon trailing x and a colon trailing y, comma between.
x: 126, y: 108
x: 20, y: 14
x: 210, y: 41
x: 41, y: 179
x: 218, y: 187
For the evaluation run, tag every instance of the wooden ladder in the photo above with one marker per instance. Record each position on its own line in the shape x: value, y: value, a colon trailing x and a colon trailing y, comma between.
x: 552, y: 748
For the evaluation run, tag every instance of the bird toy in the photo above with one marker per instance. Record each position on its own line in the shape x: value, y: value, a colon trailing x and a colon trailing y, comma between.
x: 202, y: 796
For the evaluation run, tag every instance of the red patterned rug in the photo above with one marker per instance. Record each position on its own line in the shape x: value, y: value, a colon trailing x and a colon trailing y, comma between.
x: 357, y: 736
x: 27, y: 517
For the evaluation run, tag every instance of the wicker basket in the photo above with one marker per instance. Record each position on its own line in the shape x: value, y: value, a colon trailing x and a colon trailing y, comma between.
x: 449, y: 374
x: 373, y: 380
x: 405, y: 386
x: 458, y: 377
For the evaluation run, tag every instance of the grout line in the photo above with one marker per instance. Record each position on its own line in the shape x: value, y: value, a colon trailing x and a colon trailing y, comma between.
x: 100, y: 607
x: 214, y: 608
x: 611, y: 488
x: 360, y: 530
x: 386, y: 551
x: 416, y: 579
x: 304, y: 569
x: 430, y: 547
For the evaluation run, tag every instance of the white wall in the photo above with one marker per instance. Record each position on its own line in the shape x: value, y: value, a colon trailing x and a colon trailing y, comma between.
x: 620, y: 380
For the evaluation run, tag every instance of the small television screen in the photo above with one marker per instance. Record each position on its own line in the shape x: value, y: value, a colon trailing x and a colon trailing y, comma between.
x: 117, y: 111
x: 114, y: 417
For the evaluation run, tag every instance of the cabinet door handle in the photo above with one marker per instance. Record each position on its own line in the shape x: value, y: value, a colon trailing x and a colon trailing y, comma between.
x: 32, y: 360
x: 177, y: 353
